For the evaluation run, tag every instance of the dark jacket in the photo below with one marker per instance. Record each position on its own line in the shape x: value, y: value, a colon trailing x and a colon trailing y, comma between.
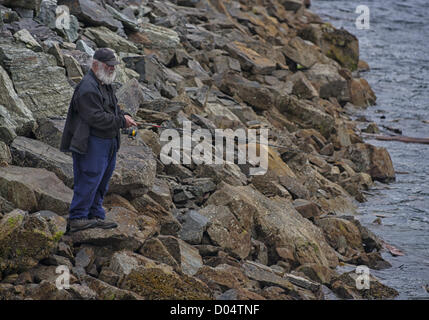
x: 93, y: 110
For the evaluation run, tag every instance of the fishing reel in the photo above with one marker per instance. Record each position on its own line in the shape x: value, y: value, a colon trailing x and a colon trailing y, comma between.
x: 132, y: 133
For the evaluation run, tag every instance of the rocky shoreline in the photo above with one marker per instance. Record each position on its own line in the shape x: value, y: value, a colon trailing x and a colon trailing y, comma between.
x: 193, y: 231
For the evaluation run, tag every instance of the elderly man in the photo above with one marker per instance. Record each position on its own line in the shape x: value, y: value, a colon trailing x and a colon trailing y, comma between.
x: 92, y: 134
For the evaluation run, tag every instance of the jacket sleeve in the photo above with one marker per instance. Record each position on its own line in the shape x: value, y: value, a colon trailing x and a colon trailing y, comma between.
x: 90, y: 108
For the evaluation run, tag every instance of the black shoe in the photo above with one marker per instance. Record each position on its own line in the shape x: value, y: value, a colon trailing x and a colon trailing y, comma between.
x: 104, y: 223
x: 81, y: 224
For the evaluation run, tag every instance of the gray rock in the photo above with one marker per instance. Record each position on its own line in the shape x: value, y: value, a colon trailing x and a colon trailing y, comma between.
x: 128, y: 234
x: 130, y: 96
x: 265, y: 275
x: 193, y: 227
x: 15, y: 114
x: 26, y: 4
x: 329, y: 82
x: 28, y: 152
x: 187, y: 256
x: 34, y: 189
x: 135, y: 167
x: 41, y: 85
x: 91, y: 13
x: 226, y: 231
x: 50, y: 130
x: 105, y: 38
x: 82, y: 46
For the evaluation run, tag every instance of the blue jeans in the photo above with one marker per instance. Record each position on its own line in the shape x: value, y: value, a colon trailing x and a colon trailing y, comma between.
x: 92, y: 172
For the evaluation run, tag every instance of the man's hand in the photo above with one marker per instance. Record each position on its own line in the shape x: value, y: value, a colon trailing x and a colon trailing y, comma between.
x: 129, y: 122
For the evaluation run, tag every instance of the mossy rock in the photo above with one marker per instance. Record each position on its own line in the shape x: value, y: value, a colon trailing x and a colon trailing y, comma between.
x: 24, y: 241
x: 158, y: 284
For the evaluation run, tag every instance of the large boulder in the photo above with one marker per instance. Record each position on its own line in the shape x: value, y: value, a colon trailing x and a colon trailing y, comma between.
x: 226, y: 231
x: 28, y: 152
x: 337, y: 44
x: 15, y: 111
x: 361, y: 93
x: 154, y: 280
x: 34, y: 189
x: 131, y: 233
x: 25, y: 239
x: 372, y: 160
x: 186, y: 255
x: 277, y: 224
x: 342, y: 235
x: 38, y: 81
x: 326, y: 79
x: 91, y: 13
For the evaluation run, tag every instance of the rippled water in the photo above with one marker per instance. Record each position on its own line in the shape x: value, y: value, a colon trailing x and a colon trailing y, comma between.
x: 397, y: 50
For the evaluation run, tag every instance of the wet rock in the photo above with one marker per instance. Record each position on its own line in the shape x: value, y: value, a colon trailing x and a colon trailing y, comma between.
x: 292, y: 5
x: 105, y: 38
x: 193, y: 226
x: 373, y: 260
x: 24, y: 241
x: 372, y: 128
x: 49, y: 131
x: 28, y: 152
x: 341, y: 234
x: 345, y: 287
x: 249, y: 59
x: 361, y: 93
x: 91, y: 13
x: 318, y: 273
x: 373, y: 160
x: 34, y: 189
x: 131, y: 233
x: 41, y: 85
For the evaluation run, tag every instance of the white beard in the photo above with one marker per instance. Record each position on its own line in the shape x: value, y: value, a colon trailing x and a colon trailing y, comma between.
x: 104, y: 76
